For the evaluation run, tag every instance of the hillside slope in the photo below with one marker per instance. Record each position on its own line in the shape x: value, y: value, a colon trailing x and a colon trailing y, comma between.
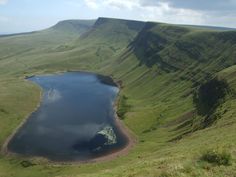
x: 74, y: 26
x: 164, y: 70
x: 53, y: 39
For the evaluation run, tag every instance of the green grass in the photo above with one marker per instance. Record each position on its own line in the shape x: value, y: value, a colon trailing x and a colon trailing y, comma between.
x: 161, y: 66
x: 217, y: 157
x: 123, y: 107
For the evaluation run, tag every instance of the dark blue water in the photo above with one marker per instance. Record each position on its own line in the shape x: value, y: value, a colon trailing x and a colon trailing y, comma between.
x: 75, y: 120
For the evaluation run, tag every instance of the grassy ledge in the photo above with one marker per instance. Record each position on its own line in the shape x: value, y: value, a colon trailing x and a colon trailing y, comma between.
x: 161, y: 67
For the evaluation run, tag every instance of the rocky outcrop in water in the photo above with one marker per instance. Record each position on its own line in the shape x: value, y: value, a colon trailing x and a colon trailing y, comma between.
x: 103, y: 138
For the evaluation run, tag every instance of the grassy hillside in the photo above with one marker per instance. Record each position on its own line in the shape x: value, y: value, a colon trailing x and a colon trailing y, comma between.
x: 74, y: 26
x: 178, y: 94
x: 54, y: 39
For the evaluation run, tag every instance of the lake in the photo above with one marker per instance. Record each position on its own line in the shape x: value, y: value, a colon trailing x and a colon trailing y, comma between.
x: 75, y: 120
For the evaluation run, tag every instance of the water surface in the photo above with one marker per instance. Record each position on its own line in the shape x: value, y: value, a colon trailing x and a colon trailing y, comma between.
x: 75, y: 120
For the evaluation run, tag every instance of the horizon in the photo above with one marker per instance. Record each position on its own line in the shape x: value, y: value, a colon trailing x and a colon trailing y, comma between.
x: 36, y: 30
x: 27, y: 16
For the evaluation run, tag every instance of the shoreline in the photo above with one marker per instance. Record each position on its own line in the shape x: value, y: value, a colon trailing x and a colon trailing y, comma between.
x: 4, y: 148
x: 128, y: 134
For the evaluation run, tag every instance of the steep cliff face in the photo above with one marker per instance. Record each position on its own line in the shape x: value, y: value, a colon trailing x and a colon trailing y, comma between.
x: 176, y: 47
x: 160, y: 68
x: 115, y: 32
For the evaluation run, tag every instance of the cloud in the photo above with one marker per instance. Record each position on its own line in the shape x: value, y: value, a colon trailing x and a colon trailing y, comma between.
x: 158, y: 11
x: 220, y: 19
x: 93, y: 4
x: 203, y: 5
x: 201, y: 12
x: 3, y: 2
x: 121, y: 4
x: 165, y: 13
x: 52, y: 95
x: 117, y: 4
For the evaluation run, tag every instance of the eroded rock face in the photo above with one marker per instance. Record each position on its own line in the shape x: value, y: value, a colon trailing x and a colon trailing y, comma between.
x: 105, y: 137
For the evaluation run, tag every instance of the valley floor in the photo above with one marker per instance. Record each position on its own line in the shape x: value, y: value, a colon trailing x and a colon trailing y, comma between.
x: 156, y: 100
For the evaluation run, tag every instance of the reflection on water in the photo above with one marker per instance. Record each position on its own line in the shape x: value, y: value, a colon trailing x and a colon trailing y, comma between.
x: 75, y: 120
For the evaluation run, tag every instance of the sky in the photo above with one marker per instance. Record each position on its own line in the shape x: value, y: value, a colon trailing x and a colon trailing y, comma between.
x: 30, y: 15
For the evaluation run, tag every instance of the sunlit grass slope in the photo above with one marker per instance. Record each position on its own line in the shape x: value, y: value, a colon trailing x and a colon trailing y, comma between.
x: 164, y: 70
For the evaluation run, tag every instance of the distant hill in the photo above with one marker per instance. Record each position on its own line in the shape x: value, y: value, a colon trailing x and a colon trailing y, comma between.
x: 212, y: 27
x: 177, y: 93
x: 74, y: 26
x: 67, y: 26
x: 15, y: 34
x: 54, y: 37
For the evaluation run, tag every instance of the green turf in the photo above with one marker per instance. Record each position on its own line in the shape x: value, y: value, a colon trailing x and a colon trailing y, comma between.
x: 160, y: 66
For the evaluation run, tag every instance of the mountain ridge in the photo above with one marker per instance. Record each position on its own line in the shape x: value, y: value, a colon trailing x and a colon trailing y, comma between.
x: 88, y: 22
x: 165, y: 73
